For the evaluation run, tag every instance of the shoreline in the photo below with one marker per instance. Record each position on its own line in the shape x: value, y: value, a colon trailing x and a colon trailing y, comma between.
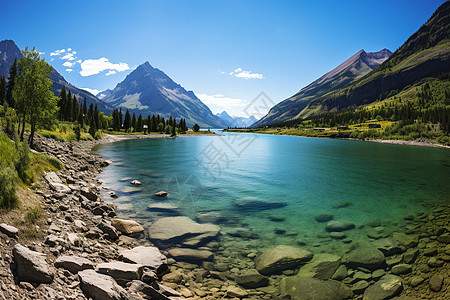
x: 91, y: 241
x: 392, y: 142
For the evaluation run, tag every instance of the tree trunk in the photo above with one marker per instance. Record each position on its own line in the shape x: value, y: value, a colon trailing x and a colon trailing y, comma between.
x: 31, y: 138
x: 23, y: 128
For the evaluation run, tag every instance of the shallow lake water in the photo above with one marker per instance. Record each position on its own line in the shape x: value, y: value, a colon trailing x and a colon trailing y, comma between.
x: 274, y: 186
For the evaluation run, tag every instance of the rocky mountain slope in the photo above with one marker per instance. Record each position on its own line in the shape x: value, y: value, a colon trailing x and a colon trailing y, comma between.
x: 350, y: 70
x: 425, y: 54
x: 148, y: 91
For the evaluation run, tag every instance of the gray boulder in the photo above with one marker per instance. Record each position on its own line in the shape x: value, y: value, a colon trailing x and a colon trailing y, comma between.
x: 100, y: 287
x: 106, y: 227
x: 322, y: 266
x: 337, y: 226
x: 385, y: 288
x: 9, y: 230
x: 73, y: 264
x: 388, y: 246
x: 367, y: 257
x: 149, y: 257
x: 121, y: 272
x: 128, y: 227
x: 31, y: 266
x: 281, y: 258
x: 406, y: 240
x: 313, y: 289
x: 55, y: 183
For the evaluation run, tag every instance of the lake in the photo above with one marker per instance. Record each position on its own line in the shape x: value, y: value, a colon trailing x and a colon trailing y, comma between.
x: 275, y: 186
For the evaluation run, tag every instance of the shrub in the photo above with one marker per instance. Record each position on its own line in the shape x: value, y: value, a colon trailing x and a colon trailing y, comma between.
x: 22, y: 161
x: 8, y: 182
x: 33, y: 214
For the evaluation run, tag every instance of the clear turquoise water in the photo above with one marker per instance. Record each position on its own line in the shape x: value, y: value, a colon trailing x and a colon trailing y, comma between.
x: 207, y: 173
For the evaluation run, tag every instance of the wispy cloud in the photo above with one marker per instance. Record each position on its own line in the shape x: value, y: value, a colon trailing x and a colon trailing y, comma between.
x: 111, y: 72
x: 240, y: 73
x: 94, y: 66
x: 57, y: 52
x: 69, y: 70
x: 92, y: 91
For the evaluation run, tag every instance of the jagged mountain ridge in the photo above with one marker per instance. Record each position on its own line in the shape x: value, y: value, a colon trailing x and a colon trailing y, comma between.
x: 232, y: 121
x: 9, y: 51
x: 148, y: 90
x: 355, y: 67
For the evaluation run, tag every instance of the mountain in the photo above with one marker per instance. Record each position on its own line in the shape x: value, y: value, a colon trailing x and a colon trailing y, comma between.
x: 149, y: 91
x: 232, y: 121
x: 350, y: 70
x: 9, y: 51
x: 425, y: 54
x: 103, y: 94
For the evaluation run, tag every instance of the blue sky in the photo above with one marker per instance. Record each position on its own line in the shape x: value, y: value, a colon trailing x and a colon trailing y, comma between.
x: 227, y: 52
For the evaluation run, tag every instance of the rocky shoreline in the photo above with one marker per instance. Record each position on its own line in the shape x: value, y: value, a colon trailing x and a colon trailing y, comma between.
x: 88, y: 252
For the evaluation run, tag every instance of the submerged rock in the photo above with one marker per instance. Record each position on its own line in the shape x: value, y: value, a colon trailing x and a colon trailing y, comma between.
x: 337, y: 226
x: 322, y: 266
x: 161, y: 194
x: 435, y: 283
x: 191, y: 255
x: 388, y: 246
x: 172, y: 230
x: 253, y: 203
x: 323, y: 218
x: 367, y: 257
x: 164, y: 208
x: 406, y: 240
x: 281, y: 258
x: 31, y: 266
x: 313, y: 289
x: 251, y: 279
x: 385, y: 288
x: 136, y: 182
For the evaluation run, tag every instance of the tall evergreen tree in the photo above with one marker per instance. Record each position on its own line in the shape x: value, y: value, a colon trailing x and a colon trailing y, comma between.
x: 2, y: 89
x: 133, y: 122
x: 153, y: 124
x: 61, y: 103
x: 120, y: 118
x: 11, y: 83
x: 68, y: 107
x: 84, y: 110
x: 96, y: 117
x: 75, y: 109
x: 127, y: 121
x: 139, y: 125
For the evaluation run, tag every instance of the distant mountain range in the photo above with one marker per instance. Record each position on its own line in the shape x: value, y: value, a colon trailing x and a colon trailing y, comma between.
x: 9, y: 51
x: 350, y: 70
x: 148, y: 90
x: 232, y: 121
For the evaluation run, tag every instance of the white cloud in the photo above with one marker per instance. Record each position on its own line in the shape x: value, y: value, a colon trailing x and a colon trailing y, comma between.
x: 41, y: 53
x: 69, y: 70
x: 111, y: 72
x: 68, y: 56
x: 68, y: 64
x: 94, y: 66
x: 57, y: 52
x: 79, y: 61
x: 92, y: 91
x: 240, y: 73
x: 69, y: 49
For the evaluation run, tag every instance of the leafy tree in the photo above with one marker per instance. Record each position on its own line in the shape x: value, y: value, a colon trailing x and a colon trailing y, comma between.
x: 2, y: 89
x: 173, y: 131
x: 196, y: 128
x: 36, y: 103
x: 168, y: 129
x: 8, y: 183
x: 11, y: 82
x: 127, y: 121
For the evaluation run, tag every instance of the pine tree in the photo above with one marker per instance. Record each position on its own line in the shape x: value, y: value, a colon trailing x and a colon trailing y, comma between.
x: 153, y: 124
x: 120, y: 119
x: 92, y: 128
x: 68, y: 107
x: 196, y: 128
x: 84, y: 111
x: 11, y: 83
x: 2, y: 89
x: 61, y: 102
x: 127, y: 121
x: 75, y: 109
x: 133, y: 122
x: 139, y: 125
x: 96, y: 117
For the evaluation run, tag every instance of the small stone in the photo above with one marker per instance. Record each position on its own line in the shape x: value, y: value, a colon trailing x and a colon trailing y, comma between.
x: 173, y: 277
x: 135, y: 182
x: 337, y: 235
x: 251, y: 279
x: 340, y: 273
x: 410, y: 255
x: 385, y: 288
x: 343, y: 204
x: 9, y: 230
x: 435, y: 262
x: 435, y: 283
x: 416, y: 281
x: 161, y: 194
x: 234, y: 291
x: 401, y: 269
x: 339, y: 226
x: 377, y: 274
x: 430, y: 252
x: 360, y: 287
